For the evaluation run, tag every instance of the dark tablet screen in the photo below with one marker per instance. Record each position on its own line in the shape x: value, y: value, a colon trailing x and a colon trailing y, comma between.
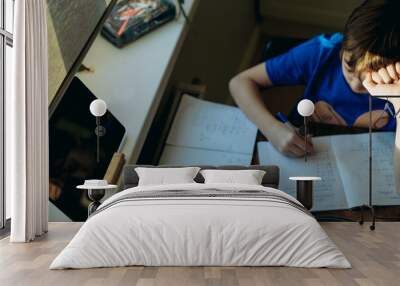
x: 72, y: 142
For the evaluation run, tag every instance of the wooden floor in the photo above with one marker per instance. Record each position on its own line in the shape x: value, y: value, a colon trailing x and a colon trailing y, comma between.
x: 375, y: 257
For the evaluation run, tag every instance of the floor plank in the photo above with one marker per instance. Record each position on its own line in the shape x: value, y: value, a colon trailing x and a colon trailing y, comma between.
x: 375, y: 256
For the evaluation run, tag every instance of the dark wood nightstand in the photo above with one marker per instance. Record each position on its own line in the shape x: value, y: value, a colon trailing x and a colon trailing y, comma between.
x: 95, y: 194
x: 304, y: 190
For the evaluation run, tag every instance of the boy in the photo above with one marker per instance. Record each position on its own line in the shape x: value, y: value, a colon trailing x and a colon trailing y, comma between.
x: 333, y: 70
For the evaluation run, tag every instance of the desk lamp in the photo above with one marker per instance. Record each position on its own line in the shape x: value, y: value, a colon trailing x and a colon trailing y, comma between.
x: 98, y: 108
x: 305, y: 109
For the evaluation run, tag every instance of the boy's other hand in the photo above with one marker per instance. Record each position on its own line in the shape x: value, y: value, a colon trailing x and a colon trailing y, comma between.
x: 384, y: 82
x: 288, y: 141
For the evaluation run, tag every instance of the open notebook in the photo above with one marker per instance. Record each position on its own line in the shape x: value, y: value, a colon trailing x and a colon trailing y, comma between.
x: 342, y: 163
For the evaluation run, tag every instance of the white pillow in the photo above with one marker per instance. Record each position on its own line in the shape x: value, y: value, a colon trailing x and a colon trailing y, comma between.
x: 164, y: 176
x: 248, y: 177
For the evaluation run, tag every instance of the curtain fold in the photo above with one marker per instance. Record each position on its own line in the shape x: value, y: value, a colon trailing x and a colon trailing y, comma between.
x: 27, y: 123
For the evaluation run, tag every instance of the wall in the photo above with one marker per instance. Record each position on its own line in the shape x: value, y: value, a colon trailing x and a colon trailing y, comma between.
x: 216, y: 44
x: 65, y: 39
x: 219, y: 42
x: 303, y: 18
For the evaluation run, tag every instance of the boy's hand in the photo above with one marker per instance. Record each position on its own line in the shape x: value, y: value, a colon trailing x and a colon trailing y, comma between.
x: 385, y: 82
x: 288, y: 142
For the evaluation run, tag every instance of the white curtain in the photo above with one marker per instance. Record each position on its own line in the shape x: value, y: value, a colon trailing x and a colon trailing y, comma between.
x: 27, y: 123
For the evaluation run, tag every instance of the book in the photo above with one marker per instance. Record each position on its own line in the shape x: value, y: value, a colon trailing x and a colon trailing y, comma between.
x: 342, y: 161
x: 129, y: 20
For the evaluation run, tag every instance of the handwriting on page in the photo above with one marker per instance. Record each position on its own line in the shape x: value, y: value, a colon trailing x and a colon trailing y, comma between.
x: 342, y: 161
x: 328, y: 193
x: 194, y: 156
x: 384, y: 191
x: 209, y: 133
x: 355, y: 172
x: 207, y: 125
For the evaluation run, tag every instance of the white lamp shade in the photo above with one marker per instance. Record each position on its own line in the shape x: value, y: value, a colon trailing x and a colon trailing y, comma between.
x: 305, y: 107
x: 98, y: 107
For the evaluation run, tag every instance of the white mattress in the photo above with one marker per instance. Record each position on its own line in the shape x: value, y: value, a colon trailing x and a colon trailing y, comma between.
x: 202, y: 232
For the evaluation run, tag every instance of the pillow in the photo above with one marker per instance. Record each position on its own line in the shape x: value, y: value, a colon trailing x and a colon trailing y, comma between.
x: 165, y: 176
x: 248, y: 177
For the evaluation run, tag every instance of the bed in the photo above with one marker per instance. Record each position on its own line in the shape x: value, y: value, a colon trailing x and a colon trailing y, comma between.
x: 201, y: 224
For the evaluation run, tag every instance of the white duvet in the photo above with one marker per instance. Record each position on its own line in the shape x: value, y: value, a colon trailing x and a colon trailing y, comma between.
x: 203, y: 232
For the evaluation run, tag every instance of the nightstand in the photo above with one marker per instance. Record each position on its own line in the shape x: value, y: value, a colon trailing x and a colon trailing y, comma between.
x: 95, y: 194
x: 304, y: 190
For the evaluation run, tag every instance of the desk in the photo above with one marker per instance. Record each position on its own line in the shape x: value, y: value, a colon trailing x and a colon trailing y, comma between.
x: 133, y: 79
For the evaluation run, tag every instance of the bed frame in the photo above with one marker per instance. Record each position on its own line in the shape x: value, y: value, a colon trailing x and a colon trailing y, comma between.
x: 270, y: 179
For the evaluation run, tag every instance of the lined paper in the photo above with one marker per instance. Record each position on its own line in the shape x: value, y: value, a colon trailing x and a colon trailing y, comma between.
x: 204, y: 132
x: 342, y: 161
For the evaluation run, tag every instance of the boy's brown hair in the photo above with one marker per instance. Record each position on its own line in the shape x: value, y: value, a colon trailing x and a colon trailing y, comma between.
x: 372, y: 35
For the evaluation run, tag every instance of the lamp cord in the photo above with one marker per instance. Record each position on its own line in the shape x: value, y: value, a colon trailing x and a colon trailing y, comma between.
x: 98, y: 138
x: 305, y: 138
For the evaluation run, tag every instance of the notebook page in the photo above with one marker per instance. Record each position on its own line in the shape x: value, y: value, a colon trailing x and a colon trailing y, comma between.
x: 193, y: 156
x: 212, y: 126
x: 352, y: 158
x: 328, y: 193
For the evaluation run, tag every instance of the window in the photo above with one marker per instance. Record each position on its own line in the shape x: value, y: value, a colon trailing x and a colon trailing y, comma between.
x: 6, y: 43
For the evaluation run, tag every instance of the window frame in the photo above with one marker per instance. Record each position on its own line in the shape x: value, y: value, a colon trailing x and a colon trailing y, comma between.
x: 6, y: 39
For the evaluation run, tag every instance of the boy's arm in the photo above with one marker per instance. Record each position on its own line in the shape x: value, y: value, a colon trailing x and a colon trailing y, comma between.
x: 387, y: 82
x: 384, y: 82
x: 245, y: 89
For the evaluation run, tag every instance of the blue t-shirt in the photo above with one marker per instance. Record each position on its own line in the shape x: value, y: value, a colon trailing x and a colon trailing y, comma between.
x: 317, y: 65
